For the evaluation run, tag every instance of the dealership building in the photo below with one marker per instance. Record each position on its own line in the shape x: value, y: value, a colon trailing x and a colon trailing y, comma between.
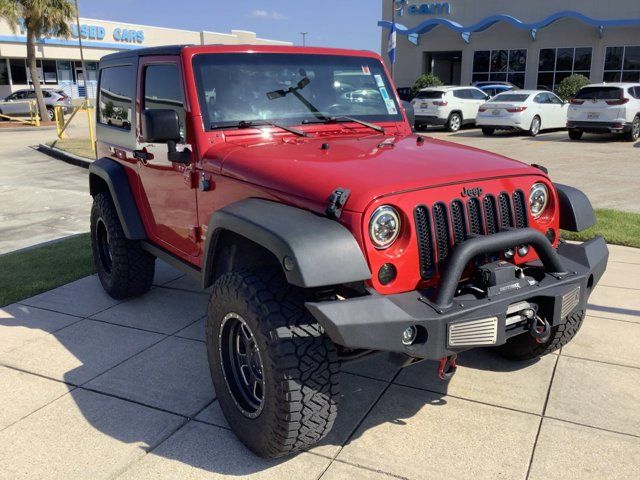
x: 529, y: 43
x: 59, y: 63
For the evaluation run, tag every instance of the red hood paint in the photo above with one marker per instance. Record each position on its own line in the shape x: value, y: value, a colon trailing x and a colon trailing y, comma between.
x: 369, y: 165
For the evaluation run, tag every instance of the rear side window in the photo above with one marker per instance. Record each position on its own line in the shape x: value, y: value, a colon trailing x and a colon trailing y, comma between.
x: 476, y: 94
x: 462, y: 94
x: 599, y: 93
x: 162, y: 90
x: 429, y: 95
x: 115, y: 99
x: 509, y: 97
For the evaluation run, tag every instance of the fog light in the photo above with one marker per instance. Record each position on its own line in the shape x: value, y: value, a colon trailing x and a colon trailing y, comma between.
x: 551, y: 235
x: 409, y: 335
x: 509, y: 253
x: 523, y: 250
x: 387, y: 273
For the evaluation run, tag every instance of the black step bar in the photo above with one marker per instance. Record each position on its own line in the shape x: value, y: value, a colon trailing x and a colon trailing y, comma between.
x: 480, y: 245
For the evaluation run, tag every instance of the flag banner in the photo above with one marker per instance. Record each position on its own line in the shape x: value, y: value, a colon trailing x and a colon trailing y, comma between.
x: 392, y: 44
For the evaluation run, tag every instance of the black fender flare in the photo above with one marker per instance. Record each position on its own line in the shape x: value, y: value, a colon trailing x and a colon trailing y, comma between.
x: 313, y: 251
x: 576, y: 212
x: 117, y: 181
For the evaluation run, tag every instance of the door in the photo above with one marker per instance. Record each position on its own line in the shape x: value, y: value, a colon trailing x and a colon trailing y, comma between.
x: 478, y: 98
x: 166, y: 187
x: 446, y: 65
x: 16, y: 104
x: 559, y: 110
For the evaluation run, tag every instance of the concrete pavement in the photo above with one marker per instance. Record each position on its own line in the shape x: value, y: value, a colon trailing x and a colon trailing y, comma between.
x: 96, y: 388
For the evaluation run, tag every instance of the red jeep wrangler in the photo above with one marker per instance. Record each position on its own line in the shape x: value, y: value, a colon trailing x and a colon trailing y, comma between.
x: 289, y: 180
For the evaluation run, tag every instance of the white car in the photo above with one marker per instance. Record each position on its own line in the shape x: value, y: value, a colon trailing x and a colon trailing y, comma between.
x: 448, y: 106
x: 606, y: 108
x: 524, y: 110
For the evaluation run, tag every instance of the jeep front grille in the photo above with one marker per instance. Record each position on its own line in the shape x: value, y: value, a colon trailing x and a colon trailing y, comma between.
x: 440, y: 228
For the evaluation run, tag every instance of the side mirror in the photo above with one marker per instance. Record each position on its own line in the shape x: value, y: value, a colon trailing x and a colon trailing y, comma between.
x: 160, y: 126
x: 408, y: 108
x: 163, y: 126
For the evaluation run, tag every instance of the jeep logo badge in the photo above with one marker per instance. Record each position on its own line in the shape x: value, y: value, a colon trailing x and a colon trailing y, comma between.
x: 471, y: 192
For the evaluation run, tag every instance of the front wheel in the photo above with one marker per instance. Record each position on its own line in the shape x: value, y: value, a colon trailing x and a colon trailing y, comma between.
x: 454, y: 123
x: 51, y: 114
x: 124, y: 268
x: 525, y: 347
x: 273, y: 368
x: 633, y: 134
x: 575, y: 134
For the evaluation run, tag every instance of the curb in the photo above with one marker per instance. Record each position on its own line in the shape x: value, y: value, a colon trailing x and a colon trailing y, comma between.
x: 27, y: 129
x: 65, y: 156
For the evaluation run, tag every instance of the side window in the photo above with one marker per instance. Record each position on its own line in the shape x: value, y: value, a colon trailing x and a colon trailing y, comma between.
x: 477, y: 94
x: 554, y: 99
x: 540, y: 98
x: 459, y: 94
x: 31, y: 94
x: 162, y: 90
x: 115, y: 102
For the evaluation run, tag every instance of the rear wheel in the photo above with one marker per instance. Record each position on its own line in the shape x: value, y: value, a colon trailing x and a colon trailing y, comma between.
x: 633, y: 134
x: 575, y: 134
x: 124, y: 268
x: 534, y: 129
x: 51, y: 114
x: 525, y: 347
x: 487, y: 132
x: 273, y: 368
x: 454, y: 123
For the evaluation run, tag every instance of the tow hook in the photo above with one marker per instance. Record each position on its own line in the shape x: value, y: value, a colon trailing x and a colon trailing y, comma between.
x: 447, y: 367
x: 540, y: 329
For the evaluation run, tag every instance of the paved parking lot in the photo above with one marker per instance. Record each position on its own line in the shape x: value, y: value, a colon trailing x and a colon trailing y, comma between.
x: 603, y: 166
x: 96, y: 388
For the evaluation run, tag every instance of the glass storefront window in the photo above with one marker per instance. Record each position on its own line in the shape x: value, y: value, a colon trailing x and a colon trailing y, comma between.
x: 556, y: 64
x: 64, y: 71
x: 4, y: 72
x: 18, y: 69
x: 49, y: 71
x: 622, y: 64
x: 500, y: 66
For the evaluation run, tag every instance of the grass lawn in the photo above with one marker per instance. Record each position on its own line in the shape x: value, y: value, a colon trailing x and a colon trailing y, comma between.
x: 618, y: 228
x: 77, y: 146
x: 27, y: 273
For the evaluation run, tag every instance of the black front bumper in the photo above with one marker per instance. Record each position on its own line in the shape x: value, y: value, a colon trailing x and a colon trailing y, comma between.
x: 377, y: 322
x: 599, y: 127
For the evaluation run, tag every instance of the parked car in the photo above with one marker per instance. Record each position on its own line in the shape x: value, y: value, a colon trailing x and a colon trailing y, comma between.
x: 325, y: 237
x: 494, y: 89
x: 405, y: 93
x: 606, y: 108
x: 448, y: 106
x: 525, y: 110
x: 17, y: 104
x: 492, y: 82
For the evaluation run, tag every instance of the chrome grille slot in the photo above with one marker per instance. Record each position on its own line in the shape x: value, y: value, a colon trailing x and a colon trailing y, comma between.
x: 458, y: 221
x: 443, y: 239
x: 491, y: 214
x: 475, y: 332
x: 425, y: 242
x: 506, y: 214
x: 520, y: 209
x: 475, y: 217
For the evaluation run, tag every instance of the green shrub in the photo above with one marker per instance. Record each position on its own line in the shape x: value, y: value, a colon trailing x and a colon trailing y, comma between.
x: 426, y: 80
x: 568, y: 87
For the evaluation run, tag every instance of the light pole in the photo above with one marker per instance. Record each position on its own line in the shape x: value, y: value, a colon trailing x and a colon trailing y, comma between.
x: 304, y: 38
x: 84, y: 68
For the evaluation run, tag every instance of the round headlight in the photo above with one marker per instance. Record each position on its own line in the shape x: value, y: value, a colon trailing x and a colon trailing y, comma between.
x: 538, y: 199
x: 384, y: 226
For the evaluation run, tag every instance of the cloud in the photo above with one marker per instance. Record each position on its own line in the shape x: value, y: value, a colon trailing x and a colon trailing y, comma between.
x: 266, y: 14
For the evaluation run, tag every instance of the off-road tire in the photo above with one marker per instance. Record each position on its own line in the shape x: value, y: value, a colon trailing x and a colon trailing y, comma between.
x: 575, y: 134
x: 132, y: 268
x: 454, y: 123
x: 633, y: 134
x: 487, y: 131
x: 299, y: 363
x: 525, y: 347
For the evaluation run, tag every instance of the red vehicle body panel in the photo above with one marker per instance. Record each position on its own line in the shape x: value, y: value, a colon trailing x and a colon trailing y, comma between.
x: 391, y: 168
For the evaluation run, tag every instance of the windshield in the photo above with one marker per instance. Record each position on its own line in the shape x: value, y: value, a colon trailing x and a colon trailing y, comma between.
x: 510, y: 97
x: 599, y: 93
x: 291, y: 88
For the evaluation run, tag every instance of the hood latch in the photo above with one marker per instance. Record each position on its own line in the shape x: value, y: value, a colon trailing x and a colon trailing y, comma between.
x: 336, y: 202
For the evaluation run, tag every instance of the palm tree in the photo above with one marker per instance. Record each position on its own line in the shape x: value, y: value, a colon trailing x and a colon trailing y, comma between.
x: 40, y: 17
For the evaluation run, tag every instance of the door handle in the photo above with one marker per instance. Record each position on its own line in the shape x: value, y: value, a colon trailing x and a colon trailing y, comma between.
x: 143, y: 155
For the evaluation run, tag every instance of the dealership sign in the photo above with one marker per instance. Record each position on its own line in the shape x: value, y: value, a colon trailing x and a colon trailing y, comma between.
x: 435, y: 8
x: 97, y: 32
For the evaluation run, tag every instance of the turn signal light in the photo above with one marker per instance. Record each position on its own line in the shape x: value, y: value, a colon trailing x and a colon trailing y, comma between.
x: 516, y: 109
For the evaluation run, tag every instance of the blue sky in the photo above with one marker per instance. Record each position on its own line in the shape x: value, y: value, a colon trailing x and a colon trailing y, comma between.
x: 335, y: 23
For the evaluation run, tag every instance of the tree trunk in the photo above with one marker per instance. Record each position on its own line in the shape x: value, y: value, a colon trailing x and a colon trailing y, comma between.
x: 33, y: 71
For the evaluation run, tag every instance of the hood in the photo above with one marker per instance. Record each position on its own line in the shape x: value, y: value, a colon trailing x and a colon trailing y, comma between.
x: 369, y: 166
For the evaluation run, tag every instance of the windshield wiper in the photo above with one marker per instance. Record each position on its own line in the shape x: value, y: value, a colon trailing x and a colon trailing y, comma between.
x: 262, y: 123
x: 295, y: 92
x: 344, y: 118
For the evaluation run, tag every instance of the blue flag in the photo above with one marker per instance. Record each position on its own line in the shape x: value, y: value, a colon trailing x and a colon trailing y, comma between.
x: 392, y: 43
